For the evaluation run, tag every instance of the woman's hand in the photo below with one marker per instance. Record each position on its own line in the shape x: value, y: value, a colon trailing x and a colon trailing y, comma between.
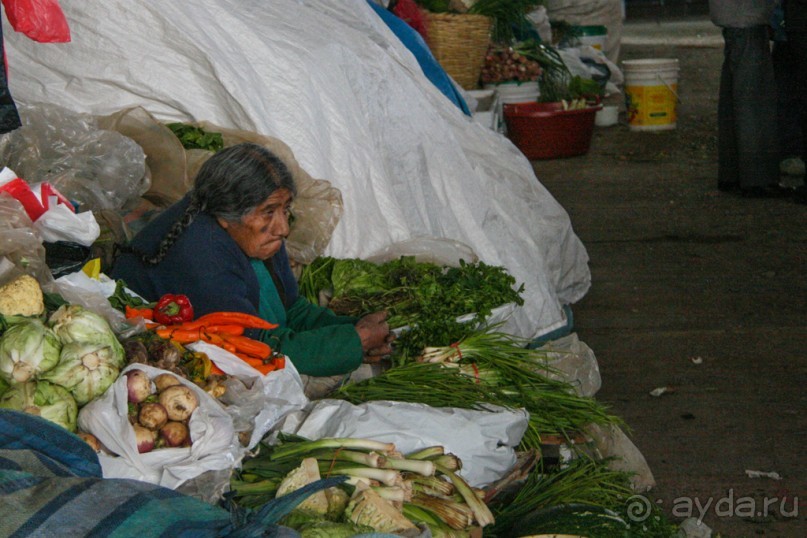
x: 376, y: 340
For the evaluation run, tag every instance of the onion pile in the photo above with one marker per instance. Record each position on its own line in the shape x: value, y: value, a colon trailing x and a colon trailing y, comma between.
x: 159, y: 417
x: 504, y: 64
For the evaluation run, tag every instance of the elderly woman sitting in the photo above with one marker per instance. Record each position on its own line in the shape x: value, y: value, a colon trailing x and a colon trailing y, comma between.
x: 222, y: 245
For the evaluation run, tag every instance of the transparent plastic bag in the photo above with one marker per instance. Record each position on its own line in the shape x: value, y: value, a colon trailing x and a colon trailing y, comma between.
x: 20, y: 244
x: 440, y: 251
x: 574, y: 362
x: 165, y: 157
x: 317, y: 207
x: 94, y: 168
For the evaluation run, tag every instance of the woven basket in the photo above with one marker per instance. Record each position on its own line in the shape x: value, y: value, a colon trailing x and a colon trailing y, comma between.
x: 459, y: 42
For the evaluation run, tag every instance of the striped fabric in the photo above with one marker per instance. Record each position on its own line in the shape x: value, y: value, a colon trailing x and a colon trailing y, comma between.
x: 51, y: 486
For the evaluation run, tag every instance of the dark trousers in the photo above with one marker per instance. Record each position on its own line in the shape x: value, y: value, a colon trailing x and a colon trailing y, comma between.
x: 746, y: 113
x: 789, y: 99
x: 797, y: 45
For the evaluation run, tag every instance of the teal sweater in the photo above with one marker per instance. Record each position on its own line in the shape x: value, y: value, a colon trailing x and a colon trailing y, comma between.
x: 317, y: 341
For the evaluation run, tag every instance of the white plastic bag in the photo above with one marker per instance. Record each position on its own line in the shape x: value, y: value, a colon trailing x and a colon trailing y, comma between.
x: 258, y: 402
x: 60, y: 224
x: 483, y: 440
x: 214, y: 445
x: 78, y: 288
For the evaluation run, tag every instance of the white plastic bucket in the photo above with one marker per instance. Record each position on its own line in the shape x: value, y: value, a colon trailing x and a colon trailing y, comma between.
x: 651, y: 93
x: 513, y: 92
x: 596, y: 36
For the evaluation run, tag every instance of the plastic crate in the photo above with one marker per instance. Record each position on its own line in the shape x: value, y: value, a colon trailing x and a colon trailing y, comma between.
x: 546, y: 131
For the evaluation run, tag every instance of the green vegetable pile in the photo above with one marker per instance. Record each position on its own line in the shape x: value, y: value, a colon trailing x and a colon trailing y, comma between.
x: 193, y: 137
x: 51, y: 369
x: 425, y: 297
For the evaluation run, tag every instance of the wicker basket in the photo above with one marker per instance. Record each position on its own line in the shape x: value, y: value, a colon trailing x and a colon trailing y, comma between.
x: 459, y: 42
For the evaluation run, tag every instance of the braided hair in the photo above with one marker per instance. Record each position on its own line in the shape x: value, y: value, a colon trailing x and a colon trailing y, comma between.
x: 229, y: 185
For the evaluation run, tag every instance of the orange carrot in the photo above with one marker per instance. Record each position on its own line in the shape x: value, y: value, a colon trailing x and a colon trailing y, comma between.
x: 236, y: 330
x: 145, y: 313
x: 215, y: 370
x: 235, y: 318
x: 279, y: 362
x: 181, y: 336
x: 258, y: 364
x: 211, y: 338
x: 248, y: 345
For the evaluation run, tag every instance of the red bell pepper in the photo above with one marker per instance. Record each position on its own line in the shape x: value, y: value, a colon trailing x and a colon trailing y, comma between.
x: 172, y: 309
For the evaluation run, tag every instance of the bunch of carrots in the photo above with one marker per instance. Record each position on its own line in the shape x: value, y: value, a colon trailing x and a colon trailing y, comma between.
x: 224, y: 329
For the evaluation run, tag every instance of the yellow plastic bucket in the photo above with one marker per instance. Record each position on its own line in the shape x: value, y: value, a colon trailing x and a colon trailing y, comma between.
x: 651, y: 93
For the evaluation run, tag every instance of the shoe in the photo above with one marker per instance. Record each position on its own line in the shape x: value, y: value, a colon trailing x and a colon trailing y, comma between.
x: 768, y: 191
x: 728, y: 186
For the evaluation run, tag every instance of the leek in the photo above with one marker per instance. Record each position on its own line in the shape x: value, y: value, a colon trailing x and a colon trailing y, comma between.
x: 300, y: 448
x: 456, y: 515
x: 426, y: 453
x: 421, y: 467
x: 434, y: 484
x: 388, y: 477
x: 482, y: 513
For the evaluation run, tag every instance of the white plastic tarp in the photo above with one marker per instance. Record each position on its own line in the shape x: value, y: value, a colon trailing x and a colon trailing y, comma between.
x: 484, y: 441
x: 332, y: 81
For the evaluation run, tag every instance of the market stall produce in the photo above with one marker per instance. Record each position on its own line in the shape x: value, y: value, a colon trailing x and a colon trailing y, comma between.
x: 353, y: 105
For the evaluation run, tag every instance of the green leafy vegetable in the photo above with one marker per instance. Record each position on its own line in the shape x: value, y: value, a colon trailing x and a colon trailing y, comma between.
x: 43, y: 399
x: 27, y: 349
x: 87, y: 369
x: 196, y: 138
x: 74, y: 323
x: 121, y: 298
x: 424, y: 296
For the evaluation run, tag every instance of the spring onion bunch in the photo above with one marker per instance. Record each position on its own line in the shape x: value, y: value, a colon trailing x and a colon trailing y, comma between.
x: 482, y: 370
x: 583, y: 480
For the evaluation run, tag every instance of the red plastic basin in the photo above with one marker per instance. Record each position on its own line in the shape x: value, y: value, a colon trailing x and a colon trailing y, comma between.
x: 546, y: 131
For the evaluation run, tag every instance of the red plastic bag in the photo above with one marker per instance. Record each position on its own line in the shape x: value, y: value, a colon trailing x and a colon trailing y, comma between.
x: 41, y: 20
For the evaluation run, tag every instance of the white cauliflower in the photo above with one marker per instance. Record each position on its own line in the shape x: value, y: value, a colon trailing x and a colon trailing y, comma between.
x: 22, y: 297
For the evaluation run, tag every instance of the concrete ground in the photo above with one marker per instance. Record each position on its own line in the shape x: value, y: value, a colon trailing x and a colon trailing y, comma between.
x: 699, y: 293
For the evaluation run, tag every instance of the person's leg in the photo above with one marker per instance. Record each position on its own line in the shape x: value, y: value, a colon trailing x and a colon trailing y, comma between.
x: 754, y: 91
x: 788, y: 101
x: 798, y: 44
x: 728, y: 175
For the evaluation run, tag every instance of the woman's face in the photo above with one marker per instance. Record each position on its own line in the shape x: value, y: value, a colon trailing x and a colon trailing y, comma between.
x: 261, y: 232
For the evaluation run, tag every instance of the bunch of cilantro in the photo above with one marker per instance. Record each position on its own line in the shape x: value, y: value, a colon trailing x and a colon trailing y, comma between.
x: 426, y: 297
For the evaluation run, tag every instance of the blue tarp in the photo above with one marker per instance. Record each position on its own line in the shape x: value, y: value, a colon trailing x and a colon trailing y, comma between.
x: 51, y: 485
x: 418, y: 47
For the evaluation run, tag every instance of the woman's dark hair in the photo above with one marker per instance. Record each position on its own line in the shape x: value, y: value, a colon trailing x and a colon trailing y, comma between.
x: 229, y: 185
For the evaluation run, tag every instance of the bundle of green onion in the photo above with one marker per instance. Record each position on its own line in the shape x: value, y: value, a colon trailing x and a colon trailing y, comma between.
x: 482, y: 370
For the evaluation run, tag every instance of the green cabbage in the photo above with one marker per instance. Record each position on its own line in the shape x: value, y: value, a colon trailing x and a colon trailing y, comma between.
x: 74, y: 323
x: 87, y: 369
x: 27, y: 349
x: 44, y: 399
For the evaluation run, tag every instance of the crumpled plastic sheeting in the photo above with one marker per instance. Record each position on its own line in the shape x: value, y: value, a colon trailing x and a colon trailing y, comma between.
x: 329, y: 79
